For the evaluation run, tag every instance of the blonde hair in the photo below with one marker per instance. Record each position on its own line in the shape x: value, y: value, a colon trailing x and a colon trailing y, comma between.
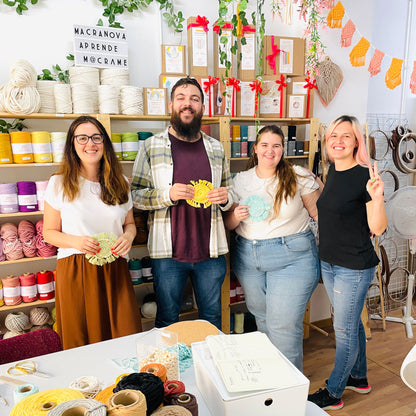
x: 286, y: 187
x: 360, y: 152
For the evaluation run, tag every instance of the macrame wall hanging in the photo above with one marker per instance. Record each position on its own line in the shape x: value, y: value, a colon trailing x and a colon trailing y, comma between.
x: 328, y: 81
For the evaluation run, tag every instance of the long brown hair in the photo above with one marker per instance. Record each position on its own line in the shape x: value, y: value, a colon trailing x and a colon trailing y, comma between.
x: 286, y: 187
x: 114, y: 187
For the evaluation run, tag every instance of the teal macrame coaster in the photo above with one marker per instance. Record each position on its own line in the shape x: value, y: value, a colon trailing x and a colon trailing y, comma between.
x: 105, y: 255
x: 258, y: 208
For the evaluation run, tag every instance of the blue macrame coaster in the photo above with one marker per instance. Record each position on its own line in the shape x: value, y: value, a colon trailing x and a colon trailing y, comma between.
x: 258, y: 208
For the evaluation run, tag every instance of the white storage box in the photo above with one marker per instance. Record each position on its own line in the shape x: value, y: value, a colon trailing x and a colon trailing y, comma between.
x: 284, y: 400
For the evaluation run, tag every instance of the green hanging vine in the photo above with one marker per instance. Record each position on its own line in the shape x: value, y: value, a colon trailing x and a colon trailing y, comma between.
x: 21, y: 5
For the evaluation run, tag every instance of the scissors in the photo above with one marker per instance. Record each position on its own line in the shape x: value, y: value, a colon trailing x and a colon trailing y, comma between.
x: 26, y: 367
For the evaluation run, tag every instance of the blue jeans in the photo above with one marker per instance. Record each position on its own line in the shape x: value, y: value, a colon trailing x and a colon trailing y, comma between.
x: 170, y: 278
x: 347, y: 290
x: 278, y: 276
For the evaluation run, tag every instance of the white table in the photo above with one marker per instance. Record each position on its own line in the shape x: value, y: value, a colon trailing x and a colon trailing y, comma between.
x: 96, y: 360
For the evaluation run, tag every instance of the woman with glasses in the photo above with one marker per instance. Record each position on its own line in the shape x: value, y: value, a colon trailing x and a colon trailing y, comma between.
x: 88, y: 197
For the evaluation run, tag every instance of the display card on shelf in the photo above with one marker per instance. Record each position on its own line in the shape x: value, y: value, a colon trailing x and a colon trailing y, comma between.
x: 272, y: 100
x: 155, y: 101
x: 197, y: 47
x: 246, y: 100
x: 168, y: 81
x: 174, y: 59
x: 296, y: 106
x: 299, y: 86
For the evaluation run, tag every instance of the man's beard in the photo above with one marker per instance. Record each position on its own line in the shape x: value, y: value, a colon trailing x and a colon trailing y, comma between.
x: 190, y: 130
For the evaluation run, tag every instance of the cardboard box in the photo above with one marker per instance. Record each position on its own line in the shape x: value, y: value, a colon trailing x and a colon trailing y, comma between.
x: 296, y: 106
x: 272, y: 101
x: 207, y: 103
x: 218, y: 48
x: 280, y: 401
x: 247, y: 69
x: 291, y: 58
x: 246, y: 100
x: 197, y: 49
x: 271, y: 49
x: 297, y: 86
x: 155, y: 101
x: 167, y: 81
x: 223, y: 99
x: 174, y: 59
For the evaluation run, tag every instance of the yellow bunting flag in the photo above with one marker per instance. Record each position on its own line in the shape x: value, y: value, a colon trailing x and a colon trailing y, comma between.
x: 393, y: 76
x: 335, y: 15
x: 357, y: 55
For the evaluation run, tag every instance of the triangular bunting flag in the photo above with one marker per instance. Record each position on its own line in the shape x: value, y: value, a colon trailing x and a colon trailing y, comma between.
x: 375, y: 64
x: 335, y: 15
x: 347, y: 34
x: 357, y: 55
x: 393, y: 76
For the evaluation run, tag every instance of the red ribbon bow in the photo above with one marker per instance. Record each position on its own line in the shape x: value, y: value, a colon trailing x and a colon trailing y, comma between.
x: 216, y: 28
x: 310, y: 85
x: 200, y: 21
x: 247, y: 29
x: 282, y: 84
x: 256, y: 86
x: 235, y: 83
x: 272, y: 57
x: 207, y: 89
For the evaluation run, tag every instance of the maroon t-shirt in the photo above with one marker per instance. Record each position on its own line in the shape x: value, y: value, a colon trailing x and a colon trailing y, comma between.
x: 190, y: 226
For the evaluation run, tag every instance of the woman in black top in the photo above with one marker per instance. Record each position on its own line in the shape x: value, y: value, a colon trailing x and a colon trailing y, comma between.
x: 350, y: 207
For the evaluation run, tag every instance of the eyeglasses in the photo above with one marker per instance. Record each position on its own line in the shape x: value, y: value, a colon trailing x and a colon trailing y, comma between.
x: 83, y: 138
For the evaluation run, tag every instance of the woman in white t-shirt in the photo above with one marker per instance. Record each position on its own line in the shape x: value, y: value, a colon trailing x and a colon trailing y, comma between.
x: 273, y: 251
x: 89, y: 195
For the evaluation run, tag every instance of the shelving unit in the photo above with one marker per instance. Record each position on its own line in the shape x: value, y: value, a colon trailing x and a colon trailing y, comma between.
x: 224, y: 123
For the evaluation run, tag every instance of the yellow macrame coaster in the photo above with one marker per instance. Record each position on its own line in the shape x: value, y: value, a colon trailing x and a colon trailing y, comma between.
x: 393, y: 75
x: 347, y: 34
x: 105, y: 255
x: 357, y: 55
x: 201, y: 189
x: 335, y: 15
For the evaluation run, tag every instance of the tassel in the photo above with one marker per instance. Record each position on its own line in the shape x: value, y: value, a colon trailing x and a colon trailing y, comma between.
x: 288, y: 12
x: 375, y: 64
x: 347, y: 34
x: 413, y: 79
x: 357, y: 55
x: 393, y: 75
x: 335, y: 15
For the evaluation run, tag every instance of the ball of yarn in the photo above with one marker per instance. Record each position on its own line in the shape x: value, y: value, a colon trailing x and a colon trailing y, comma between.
x: 186, y: 400
x: 149, y: 384
x: 172, y: 410
x: 149, y: 310
x: 11, y: 334
x: 40, y: 316
x: 17, y: 322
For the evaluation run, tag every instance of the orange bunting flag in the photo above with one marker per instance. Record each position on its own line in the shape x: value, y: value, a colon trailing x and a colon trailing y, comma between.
x: 393, y: 76
x: 375, y: 64
x: 357, y: 55
x: 347, y: 34
x: 413, y: 79
x: 335, y: 15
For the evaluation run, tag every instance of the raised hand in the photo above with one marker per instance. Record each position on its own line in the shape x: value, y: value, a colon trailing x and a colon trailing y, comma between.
x: 375, y: 185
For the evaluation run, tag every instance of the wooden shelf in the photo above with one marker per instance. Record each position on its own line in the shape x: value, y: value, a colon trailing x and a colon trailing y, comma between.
x: 25, y: 260
x: 21, y: 214
x: 26, y: 305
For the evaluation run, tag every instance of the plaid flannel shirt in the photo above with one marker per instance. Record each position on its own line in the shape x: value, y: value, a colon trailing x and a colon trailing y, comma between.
x: 151, y: 183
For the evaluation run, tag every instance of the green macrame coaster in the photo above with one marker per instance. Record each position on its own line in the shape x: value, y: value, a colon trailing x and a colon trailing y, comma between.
x: 105, y: 255
x: 258, y: 208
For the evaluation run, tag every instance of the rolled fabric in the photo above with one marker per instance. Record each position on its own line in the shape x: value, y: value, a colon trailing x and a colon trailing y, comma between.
x: 40, y: 194
x: 12, y: 246
x: 26, y: 196
x: 41, y: 146
x: 11, y: 290
x: 6, y: 154
x: 44, y: 249
x: 21, y: 147
x: 28, y: 287
x: 46, y: 287
x: 27, y: 235
x: 8, y: 198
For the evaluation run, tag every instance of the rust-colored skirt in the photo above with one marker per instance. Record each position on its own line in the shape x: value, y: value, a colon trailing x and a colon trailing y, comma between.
x: 94, y: 303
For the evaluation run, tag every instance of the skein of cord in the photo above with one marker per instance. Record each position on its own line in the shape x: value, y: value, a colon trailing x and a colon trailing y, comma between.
x: 6, y: 155
x: 27, y: 235
x: 116, y: 141
x: 172, y: 410
x: 39, y: 316
x: 135, y: 270
x: 58, y: 139
x: 8, y: 198
x: 104, y: 395
x: 17, y: 322
x: 23, y: 391
x: 186, y: 400
x: 89, y: 386
x: 47, y: 96
x: 114, y: 76
x: 84, y: 99
x: 149, y: 384
x: 129, y: 145
x: 40, y: 193
x: 63, y: 99
x: 41, y: 146
x: 46, y: 287
x: 21, y: 142
x: 108, y: 97
x: 26, y: 196
x: 11, y: 290
x: 12, y: 246
x: 128, y: 402
x: 173, y: 387
x: 158, y: 370
x: 131, y: 100
x: 44, y: 249
x: 28, y: 287
x: 79, y: 407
